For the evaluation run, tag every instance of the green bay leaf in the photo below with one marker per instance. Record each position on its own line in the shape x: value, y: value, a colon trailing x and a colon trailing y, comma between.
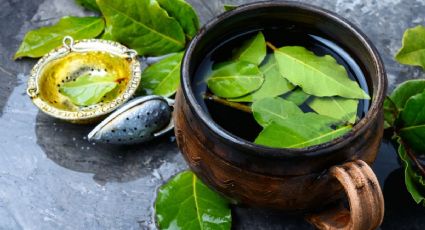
x: 253, y: 50
x: 415, y: 183
x: 300, y: 131
x: 412, y: 129
x: 228, y: 7
x: 391, y: 112
x: 396, y: 102
x: 183, y: 13
x: 298, y: 96
x: 274, y: 83
x: 319, y: 76
x: 268, y: 110
x: 89, y: 4
x: 163, y: 77
x: 88, y: 90
x: 142, y: 25
x: 38, y: 42
x: 406, y: 90
x: 186, y: 203
x: 235, y: 79
x: 412, y: 51
x: 343, y: 109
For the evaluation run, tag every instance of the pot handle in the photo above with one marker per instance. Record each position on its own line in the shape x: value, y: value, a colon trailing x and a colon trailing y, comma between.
x: 364, y: 196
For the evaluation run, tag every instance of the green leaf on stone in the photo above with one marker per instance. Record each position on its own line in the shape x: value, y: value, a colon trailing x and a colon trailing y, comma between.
x: 38, y: 42
x: 235, y: 79
x: 89, y: 4
x: 343, y: 109
x: 298, y: 96
x: 405, y: 90
x: 253, y: 50
x: 88, y: 90
x: 186, y: 203
x: 395, y: 103
x: 415, y: 183
x: 183, y: 13
x: 412, y: 51
x: 267, y: 110
x: 274, y: 83
x: 300, y: 131
x: 162, y: 78
x: 412, y: 129
x: 319, y: 76
x: 142, y: 25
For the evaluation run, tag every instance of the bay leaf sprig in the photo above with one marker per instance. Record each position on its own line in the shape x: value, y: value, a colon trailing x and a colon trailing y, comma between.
x: 185, y: 202
x: 404, y: 114
x: 152, y: 27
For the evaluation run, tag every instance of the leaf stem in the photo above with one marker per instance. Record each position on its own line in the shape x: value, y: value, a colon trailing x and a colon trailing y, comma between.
x: 222, y: 101
x: 271, y: 46
x: 412, y: 156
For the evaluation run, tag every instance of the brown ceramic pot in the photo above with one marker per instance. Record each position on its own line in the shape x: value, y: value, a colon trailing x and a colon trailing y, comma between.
x: 293, y: 180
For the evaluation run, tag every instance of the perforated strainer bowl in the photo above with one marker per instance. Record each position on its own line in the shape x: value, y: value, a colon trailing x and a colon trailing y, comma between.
x: 66, y: 63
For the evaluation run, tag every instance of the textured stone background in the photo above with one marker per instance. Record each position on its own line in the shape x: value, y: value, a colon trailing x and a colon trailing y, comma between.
x: 52, y: 178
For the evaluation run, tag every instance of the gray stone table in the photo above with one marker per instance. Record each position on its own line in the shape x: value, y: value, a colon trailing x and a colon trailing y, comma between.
x: 51, y: 177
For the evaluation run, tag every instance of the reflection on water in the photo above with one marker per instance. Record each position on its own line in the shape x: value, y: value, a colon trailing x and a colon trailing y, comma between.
x: 66, y: 144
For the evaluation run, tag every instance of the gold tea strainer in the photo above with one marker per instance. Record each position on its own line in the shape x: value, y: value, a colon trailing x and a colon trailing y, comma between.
x: 73, y: 59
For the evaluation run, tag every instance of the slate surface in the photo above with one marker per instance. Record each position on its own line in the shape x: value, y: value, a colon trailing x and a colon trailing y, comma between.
x: 52, y: 178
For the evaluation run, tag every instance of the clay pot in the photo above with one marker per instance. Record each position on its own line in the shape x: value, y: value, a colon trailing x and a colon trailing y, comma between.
x: 294, y: 180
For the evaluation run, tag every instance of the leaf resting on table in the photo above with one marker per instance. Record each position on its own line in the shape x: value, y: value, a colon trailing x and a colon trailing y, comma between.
x: 186, y: 203
x: 142, y: 25
x: 163, y: 77
x: 38, y: 42
x: 412, y: 51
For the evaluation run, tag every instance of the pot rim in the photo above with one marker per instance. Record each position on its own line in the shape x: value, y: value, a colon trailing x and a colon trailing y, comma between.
x: 264, y: 151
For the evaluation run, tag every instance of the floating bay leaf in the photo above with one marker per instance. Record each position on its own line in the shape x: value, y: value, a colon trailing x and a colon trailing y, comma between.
x: 412, y: 129
x: 163, y: 77
x: 88, y: 90
x: 319, y: 76
x: 415, y: 183
x: 183, y: 13
x: 228, y: 7
x: 186, y: 203
x: 300, y: 131
x: 267, y: 110
x: 142, y: 25
x: 335, y: 107
x: 274, y: 83
x: 38, y: 42
x: 253, y: 50
x: 235, y: 79
x: 412, y: 51
x: 298, y: 96
x: 89, y: 4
